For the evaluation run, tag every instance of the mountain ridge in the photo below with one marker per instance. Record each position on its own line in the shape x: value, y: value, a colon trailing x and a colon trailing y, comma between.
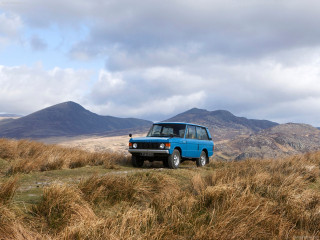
x: 66, y: 119
x: 221, y: 123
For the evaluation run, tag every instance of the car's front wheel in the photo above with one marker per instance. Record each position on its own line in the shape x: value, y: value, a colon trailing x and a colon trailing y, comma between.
x: 202, y: 160
x: 137, y: 161
x: 174, y: 159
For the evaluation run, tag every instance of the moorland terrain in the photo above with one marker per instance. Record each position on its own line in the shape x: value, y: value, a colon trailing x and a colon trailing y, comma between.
x: 54, y: 192
x: 74, y: 183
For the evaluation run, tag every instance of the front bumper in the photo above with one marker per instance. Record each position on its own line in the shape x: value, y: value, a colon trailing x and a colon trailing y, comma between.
x: 148, y: 151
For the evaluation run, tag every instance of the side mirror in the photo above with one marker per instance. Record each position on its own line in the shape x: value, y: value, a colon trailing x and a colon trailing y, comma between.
x: 130, y: 135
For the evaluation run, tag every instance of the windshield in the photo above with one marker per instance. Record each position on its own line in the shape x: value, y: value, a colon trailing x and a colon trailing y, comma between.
x: 167, y: 130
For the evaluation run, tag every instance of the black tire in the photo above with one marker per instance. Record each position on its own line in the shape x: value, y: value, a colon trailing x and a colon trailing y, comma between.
x: 174, y: 159
x: 165, y: 163
x: 137, y: 161
x: 202, y: 160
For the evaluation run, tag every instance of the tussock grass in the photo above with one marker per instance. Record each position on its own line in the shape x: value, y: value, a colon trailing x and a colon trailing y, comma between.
x: 251, y: 199
x: 62, y: 205
x: 11, y: 225
x: 26, y: 156
x: 8, y: 189
x: 137, y: 188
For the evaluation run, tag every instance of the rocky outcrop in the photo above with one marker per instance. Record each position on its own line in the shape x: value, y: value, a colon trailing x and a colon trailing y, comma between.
x: 281, y: 140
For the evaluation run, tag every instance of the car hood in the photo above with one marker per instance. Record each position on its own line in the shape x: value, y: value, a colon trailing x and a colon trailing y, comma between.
x: 150, y: 139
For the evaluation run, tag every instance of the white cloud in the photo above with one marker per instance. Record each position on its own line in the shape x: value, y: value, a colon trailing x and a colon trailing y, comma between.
x: 151, y: 93
x: 256, y: 90
x: 255, y: 58
x: 108, y: 85
x: 27, y: 89
x: 10, y: 26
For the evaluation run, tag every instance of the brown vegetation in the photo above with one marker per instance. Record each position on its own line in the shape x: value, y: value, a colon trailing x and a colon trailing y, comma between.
x: 26, y: 156
x: 252, y: 199
x: 11, y: 225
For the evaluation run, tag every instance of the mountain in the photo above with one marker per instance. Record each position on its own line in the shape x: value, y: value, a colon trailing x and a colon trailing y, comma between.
x: 278, y: 141
x: 6, y: 118
x: 9, y: 115
x: 66, y: 119
x: 222, y: 124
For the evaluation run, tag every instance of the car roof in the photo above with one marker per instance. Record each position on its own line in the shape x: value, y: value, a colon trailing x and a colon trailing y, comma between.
x: 193, y: 124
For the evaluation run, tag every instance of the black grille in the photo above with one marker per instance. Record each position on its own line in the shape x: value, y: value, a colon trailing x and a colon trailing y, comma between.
x: 148, y: 145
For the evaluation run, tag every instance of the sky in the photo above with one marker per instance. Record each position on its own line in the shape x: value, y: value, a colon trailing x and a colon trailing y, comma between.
x: 155, y: 59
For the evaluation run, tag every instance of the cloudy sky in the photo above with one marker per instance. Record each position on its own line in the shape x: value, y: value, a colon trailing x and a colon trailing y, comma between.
x: 154, y: 59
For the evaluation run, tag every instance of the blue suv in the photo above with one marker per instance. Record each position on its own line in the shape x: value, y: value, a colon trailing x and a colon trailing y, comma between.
x: 172, y: 143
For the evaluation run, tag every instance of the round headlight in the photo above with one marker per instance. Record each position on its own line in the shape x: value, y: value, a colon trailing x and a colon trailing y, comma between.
x: 135, y: 145
x: 162, y: 146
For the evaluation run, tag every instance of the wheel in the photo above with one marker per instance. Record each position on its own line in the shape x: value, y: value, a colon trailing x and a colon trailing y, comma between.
x: 202, y: 160
x: 174, y: 159
x: 165, y: 163
x: 136, y: 161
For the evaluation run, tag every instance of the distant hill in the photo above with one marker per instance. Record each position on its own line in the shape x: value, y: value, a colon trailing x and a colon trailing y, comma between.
x: 6, y: 118
x: 222, y: 124
x: 278, y: 141
x: 9, y: 115
x: 66, y: 119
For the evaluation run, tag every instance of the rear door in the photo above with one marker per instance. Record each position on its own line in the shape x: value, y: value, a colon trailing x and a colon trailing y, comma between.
x: 192, y: 142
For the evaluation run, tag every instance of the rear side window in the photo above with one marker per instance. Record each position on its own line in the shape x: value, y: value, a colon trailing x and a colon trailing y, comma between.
x: 202, y: 133
x: 191, y: 132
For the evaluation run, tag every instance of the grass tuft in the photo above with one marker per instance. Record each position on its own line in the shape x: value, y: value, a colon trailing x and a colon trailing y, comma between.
x: 62, y: 205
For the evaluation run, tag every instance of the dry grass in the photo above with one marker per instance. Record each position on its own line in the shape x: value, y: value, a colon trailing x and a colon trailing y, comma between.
x: 26, y: 156
x: 11, y: 225
x: 252, y: 199
x: 8, y: 189
x: 137, y: 188
x: 61, y: 206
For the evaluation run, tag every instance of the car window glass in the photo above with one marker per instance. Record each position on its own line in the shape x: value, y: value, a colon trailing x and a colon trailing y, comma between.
x: 155, y: 130
x: 202, y: 133
x: 167, y: 130
x: 191, y: 132
x: 181, y: 133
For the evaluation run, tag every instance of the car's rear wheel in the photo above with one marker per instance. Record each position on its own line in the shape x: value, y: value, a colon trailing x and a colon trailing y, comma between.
x: 202, y: 160
x: 137, y: 161
x: 174, y: 159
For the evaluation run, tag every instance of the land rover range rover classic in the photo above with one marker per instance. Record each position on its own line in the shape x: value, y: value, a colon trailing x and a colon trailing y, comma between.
x: 172, y: 143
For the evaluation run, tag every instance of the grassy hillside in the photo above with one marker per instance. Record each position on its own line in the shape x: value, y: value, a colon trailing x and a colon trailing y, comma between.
x: 252, y: 199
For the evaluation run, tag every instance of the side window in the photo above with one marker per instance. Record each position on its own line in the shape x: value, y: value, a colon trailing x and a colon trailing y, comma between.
x: 202, y: 133
x: 191, y: 132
